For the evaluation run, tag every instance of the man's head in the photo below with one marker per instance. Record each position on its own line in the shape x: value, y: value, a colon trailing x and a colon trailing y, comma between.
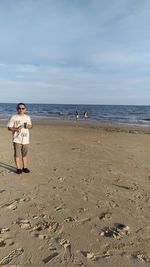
x: 21, y: 108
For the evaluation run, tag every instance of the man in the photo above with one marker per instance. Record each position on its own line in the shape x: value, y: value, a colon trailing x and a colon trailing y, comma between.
x: 20, y: 124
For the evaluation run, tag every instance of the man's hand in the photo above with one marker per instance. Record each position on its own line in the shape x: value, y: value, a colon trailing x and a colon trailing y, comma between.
x: 13, y: 129
x: 19, y: 128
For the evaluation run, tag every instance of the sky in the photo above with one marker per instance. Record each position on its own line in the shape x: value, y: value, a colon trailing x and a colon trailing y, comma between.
x: 75, y: 51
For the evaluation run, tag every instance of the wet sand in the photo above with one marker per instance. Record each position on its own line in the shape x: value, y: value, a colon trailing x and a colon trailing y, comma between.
x: 86, y: 201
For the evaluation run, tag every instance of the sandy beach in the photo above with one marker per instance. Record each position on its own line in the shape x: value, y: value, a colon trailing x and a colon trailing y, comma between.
x: 86, y: 201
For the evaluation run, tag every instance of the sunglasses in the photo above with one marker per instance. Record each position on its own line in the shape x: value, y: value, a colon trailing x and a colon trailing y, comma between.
x: 21, y: 108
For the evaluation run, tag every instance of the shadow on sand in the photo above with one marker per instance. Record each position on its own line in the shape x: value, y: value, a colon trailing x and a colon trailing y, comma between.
x: 7, y: 167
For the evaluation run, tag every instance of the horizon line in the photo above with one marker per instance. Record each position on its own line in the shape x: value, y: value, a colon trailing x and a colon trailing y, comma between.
x: 79, y: 104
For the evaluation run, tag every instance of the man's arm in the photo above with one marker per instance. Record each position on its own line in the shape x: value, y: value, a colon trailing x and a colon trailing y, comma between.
x: 14, y: 129
x: 30, y: 126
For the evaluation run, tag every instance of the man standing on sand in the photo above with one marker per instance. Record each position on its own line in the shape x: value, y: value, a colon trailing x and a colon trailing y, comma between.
x: 20, y: 124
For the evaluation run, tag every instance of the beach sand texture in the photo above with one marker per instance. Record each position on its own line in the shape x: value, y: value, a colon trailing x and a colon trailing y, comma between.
x: 86, y: 201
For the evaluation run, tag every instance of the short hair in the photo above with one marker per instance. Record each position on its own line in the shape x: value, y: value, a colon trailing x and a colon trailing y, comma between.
x: 19, y: 104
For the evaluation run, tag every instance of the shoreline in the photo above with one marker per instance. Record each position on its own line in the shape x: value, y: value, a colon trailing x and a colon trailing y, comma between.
x: 105, y: 126
x: 42, y: 120
x: 99, y: 126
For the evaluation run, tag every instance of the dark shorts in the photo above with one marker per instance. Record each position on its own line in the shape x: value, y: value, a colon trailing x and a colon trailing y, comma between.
x: 20, y: 150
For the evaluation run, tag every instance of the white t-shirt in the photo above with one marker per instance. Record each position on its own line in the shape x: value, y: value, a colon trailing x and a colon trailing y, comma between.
x: 21, y: 137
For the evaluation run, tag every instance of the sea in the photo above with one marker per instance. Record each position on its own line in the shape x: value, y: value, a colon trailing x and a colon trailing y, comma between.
x: 117, y: 114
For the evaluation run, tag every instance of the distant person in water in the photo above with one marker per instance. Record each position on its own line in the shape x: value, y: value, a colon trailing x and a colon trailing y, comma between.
x: 85, y: 115
x: 77, y: 115
x: 19, y: 125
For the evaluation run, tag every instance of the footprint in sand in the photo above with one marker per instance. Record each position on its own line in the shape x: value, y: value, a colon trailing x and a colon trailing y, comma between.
x: 39, y: 216
x: 5, y: 240
x: 80, y: 210
x: 95, y: 256
x: 105, y: 215
x: 42, y: 225
x: 2, y: 242
x: 39, y: 226
x: 13, y: 205
x: 15, y: 253
x: 84, y: 220
x: 67, y: 249
x: 53, y: 226
x: 61, y: 179
x: 51, y: 247
x: 141, y: 257
x: 42, y: 237
x: 4, y: 172
x: 4, y: 230
x: 75, y: 148
x: 22, y: 200
x: 23, y: 223
x: 85, y: 198
x: 112, y: 204
x: 61, y: 207
x: 69, y: 219
x: 50, y: 257
x: 78, y: 262
x: 6, y: 205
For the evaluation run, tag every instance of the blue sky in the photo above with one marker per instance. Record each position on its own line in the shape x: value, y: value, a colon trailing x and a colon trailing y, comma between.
x: 75, y: 51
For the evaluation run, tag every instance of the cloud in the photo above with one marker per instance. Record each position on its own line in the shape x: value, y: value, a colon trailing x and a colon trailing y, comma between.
x: 70, y: 85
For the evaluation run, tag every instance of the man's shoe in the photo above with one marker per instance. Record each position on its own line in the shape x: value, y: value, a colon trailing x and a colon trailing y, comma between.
x: 26, y: 170
x: 19, y: 171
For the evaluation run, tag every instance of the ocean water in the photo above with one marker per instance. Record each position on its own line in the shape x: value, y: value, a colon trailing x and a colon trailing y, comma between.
x: 135, y: 115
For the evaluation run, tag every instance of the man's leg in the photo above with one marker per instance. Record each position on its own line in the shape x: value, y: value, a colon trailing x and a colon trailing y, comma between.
x: 17, y: 162
x: 24, y: 158
x: 17, y: 148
